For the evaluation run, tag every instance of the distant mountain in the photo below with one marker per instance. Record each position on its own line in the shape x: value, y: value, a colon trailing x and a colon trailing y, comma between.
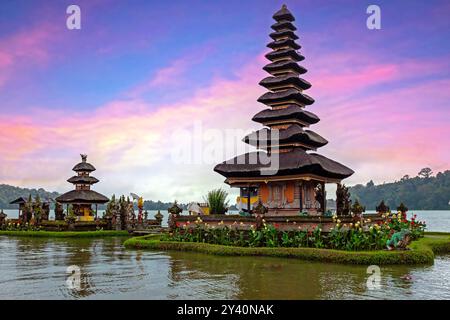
x: 423, y: 192
x: 9, y: 193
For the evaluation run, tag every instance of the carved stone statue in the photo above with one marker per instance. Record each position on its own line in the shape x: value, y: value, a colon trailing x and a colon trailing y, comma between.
x: 382, y: 208
x: 399, y: 240
x: 2, y: 218
x: 59, y: 212
x: 45, y: 211
x: 172, y: 223
x: 175, y: 208
x: 343, y: 202
x: 260, y: 209
x: 159, y: 217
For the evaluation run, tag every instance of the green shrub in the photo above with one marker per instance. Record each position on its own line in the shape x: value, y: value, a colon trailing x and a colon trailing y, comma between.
x: 217, y: 201
x: 422, y: 251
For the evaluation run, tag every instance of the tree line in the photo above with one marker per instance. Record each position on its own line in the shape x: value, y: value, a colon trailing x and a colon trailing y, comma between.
x: 422, y: 192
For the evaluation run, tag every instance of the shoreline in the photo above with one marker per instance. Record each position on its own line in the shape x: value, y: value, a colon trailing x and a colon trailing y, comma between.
x: 66, y: 234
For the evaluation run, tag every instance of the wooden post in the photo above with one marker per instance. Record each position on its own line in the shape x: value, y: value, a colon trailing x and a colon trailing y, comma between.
x: 324, y: 200
x: 96, y: 208
x: 301, y: 196
x: 248, y: 199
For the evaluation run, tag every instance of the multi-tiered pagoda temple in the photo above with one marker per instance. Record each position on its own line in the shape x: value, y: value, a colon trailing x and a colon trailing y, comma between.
x: 82, y: 198
x: 298, y: 183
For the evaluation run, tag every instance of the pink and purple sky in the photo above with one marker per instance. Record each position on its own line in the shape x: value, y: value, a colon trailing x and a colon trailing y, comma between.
x: 138, y: 70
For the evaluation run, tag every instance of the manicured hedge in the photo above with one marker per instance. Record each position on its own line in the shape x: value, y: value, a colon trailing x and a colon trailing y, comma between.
x: 422, y: 251
x: 65, y: 234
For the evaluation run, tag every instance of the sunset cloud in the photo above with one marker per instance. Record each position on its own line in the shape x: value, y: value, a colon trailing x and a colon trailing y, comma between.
x: 385, y: 114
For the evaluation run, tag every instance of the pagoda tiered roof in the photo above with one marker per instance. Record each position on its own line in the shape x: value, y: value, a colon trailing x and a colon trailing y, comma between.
x: 282, y: 34
x: 82, y: 194
x: 289, y: 96
x: 287, y: 101
x: 292, y: 112
x: 82, y: 180
x: 283, y: 81
x: 294, y: 135
x: 284, y: 54
x: 296, y: 162
x: 84, y: 166
x: 284, y: 66
x: 283, y: 25
x: 284, y: 43
x: 82, y: 197
x: 283, y: 14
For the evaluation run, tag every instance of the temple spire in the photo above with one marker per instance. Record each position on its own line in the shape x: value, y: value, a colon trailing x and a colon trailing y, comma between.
x: 287, y: 117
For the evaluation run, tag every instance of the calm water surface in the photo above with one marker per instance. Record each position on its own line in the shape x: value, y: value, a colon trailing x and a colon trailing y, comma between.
x: 36, y: 269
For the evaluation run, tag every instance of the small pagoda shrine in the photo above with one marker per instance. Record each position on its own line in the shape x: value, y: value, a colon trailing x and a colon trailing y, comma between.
x: 82, y: 198
x: 298, y: 184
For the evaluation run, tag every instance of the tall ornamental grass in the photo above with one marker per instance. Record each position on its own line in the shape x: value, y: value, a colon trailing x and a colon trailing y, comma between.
x: 217, y: 201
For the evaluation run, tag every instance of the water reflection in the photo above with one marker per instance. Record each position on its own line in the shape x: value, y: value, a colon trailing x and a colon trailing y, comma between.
x: 37, y: 269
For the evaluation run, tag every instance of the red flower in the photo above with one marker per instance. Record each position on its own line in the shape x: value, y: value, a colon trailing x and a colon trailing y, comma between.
x: 276, y: 225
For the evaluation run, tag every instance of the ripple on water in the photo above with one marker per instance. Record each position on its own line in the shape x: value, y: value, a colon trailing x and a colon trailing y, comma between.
x: 36, y: 269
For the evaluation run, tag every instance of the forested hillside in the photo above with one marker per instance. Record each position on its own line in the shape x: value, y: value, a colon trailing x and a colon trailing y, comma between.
x: 423, y: 192
x: 9, y: 193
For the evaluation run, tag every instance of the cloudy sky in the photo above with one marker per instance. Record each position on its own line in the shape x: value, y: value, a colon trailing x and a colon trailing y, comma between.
x: 148, y: 88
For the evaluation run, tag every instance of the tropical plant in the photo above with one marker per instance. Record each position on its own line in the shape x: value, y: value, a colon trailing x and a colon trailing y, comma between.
x: 217, y: 201
x: 361, y: 235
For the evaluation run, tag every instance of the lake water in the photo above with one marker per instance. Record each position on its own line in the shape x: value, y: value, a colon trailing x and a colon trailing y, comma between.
x: 36, y: 269
x: 436, y: 220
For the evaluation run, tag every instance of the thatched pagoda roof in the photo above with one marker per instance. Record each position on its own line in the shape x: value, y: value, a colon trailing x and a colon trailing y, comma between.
x: 285, y: 80
x: 284, y: 43
x: 297, y: 161
x: 293, y: 134
x: 284, y: 65
x: 283, y: 14
x: 82, y: 196
x: 82, y: 180
x: 287, y: 100
x: 281, y: 25
x: 84, y: 166
x: 285, y: 33
x: 285, y: 96
x: 20, y: 200
x: 291, y: 112
x: 285, y: 53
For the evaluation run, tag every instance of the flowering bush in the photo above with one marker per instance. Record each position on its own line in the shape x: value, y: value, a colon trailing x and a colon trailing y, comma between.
x: 360, y: 235
x: 28, y: 226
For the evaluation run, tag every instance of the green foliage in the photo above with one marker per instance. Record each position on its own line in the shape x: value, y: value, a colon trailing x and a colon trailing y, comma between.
x: 432, y: 193
x: 362, y: 235
x: 422, y: 251
x: 217, y: 201
x: 9, y: 193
